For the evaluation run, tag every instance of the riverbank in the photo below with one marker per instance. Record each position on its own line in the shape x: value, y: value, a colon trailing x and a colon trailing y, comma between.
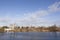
x: 53, y: 28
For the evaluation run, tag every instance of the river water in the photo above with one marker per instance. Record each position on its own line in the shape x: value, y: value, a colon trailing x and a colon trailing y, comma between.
x: 30, y: 36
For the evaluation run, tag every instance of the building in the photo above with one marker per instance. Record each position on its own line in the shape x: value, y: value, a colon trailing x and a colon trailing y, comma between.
x: 11, y: 28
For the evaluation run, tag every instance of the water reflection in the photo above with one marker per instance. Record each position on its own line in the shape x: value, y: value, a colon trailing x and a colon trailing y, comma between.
x: 30, y: 36
x: 55, y: 35
x: 2, y: 34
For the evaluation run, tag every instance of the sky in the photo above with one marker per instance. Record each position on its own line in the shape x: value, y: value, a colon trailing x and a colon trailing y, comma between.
x: 30, y: 12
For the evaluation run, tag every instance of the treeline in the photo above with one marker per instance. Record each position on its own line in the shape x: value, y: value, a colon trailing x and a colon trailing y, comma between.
x: 53, y: 28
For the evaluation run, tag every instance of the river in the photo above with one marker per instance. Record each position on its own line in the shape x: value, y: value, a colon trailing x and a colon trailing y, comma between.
x: 30, y: 36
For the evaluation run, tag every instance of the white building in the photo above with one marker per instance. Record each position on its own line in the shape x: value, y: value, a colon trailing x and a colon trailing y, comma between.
x: 11, y: 27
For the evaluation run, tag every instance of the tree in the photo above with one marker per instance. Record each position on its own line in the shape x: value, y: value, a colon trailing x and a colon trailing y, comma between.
x: 5, y: 27
x: 1, y: 30
x: 52, y: 28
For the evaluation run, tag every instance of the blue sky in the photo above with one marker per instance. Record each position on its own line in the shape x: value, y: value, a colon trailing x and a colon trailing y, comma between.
x: 30, y: 12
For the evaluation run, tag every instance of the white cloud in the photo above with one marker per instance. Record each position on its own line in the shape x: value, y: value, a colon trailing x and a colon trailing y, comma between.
x: 34, y: 18
x: 54, y: 7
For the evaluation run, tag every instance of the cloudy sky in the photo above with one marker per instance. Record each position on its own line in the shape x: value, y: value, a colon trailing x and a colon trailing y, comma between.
x: 30, y: 12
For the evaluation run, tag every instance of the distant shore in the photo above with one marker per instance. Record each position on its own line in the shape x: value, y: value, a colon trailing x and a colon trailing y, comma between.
x: 53, y: 28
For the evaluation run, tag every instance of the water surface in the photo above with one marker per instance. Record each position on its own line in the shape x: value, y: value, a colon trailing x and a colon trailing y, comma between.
x: 30, y: 36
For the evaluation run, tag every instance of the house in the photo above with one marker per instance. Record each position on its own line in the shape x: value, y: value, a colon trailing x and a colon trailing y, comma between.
x: 11, y: 28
